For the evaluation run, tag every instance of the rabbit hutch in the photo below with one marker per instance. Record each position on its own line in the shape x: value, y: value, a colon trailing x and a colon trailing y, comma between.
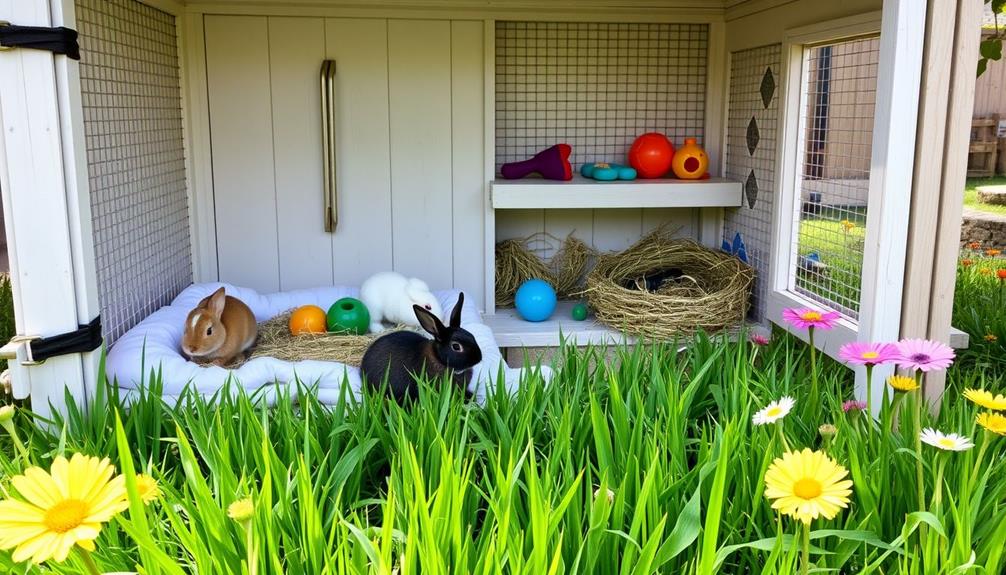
x: 282, y: 145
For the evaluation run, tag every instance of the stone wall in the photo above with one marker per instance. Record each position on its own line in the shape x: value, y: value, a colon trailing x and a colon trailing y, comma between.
x: 987, y: 229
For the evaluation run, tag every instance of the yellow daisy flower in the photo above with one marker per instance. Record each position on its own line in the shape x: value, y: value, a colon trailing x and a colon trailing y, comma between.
x: 807, y: 485
x: 241, y: 510
x: 902, y: 383
x: 991, y: 337
x: 985, y: 399
x: 63, y: 508
x: 992, y: 421
x: 148, y: 489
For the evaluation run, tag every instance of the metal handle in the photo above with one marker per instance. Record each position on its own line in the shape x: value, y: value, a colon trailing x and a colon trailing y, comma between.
x: 328, y: 145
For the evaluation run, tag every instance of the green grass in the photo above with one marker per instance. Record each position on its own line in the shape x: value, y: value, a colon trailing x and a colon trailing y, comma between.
x: 840, y: 247
x: 520, y: 485
x: 971, y: 194
x: 979, y: 300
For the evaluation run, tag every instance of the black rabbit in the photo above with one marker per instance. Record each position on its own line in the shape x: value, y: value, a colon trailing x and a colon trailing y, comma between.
x: 405, y: 356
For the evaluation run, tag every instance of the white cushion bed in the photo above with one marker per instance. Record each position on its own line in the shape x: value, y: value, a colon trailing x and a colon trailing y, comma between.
x: 154, y: 343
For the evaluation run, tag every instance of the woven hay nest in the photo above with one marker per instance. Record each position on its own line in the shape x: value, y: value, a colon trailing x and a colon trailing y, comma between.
x: 275, y: 340
x: 711, y: 294
x: 561, y: 263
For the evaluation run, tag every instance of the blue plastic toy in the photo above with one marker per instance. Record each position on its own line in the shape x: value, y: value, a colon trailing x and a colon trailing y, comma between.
x: 535, y: 300
x: 606, y: 172
x: 738, y: 248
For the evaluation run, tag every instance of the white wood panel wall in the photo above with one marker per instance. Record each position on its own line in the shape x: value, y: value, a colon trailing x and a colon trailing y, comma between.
x: 410, y: 147
x: 606, y: 230
x: 237, y: 70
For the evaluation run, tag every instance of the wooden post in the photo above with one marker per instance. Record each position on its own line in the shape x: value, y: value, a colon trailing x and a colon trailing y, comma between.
x: 47, y: 207
x: 941, y: 156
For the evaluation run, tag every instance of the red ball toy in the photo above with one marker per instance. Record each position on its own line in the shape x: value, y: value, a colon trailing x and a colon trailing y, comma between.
x: 651, y: 155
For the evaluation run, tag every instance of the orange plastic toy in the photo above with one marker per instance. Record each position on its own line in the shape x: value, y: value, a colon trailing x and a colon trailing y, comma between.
x: 308, y: 319
x: 651, y: 155
x: 690, y: 161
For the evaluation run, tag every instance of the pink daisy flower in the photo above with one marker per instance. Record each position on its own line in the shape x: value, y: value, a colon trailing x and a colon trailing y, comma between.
x: 923, y: 355
x: 853, y: 405
x: 863, y: 353
x: 805, y: 318
x: 760, y: 340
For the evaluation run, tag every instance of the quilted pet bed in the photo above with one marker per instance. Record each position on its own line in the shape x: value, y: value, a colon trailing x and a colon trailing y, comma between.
x: 155, y: 343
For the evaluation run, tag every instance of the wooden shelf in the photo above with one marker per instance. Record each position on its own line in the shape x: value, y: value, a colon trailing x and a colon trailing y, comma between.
x: 580, y: 192
x: 512, y: 331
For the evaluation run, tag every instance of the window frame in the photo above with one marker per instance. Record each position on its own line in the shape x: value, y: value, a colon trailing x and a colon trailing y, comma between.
x: 902, y: 31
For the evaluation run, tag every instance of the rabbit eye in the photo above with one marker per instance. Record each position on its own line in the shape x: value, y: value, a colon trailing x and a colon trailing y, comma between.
x: 428, y: 307
x: 456, y: 346
x: 209, y: 330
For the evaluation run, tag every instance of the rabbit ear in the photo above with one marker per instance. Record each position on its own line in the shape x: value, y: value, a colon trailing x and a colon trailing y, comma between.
x: 430, y: 322
x: 456, y: 312
x: 215, y: 303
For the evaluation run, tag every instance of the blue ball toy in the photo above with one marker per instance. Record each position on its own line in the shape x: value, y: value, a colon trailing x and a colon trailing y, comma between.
x: 535, y: 300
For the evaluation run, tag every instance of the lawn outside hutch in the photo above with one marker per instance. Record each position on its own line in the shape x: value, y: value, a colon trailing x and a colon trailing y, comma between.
x: 186, y: 146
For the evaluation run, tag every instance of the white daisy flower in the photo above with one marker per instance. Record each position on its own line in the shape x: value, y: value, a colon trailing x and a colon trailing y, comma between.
x: 946, y: 441
x: 774, y: 411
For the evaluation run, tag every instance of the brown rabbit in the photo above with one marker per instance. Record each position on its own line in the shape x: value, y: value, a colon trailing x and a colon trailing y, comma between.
x: 219, y: 330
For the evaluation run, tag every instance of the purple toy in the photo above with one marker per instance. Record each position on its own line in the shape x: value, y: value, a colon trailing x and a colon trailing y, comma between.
x: 552, y: 163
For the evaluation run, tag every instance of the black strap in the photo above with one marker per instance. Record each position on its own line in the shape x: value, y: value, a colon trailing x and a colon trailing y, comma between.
x: 56, y: 40
x: 86, y: 338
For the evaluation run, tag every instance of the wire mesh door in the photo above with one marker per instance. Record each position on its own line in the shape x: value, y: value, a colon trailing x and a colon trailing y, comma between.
x: 839, y: 87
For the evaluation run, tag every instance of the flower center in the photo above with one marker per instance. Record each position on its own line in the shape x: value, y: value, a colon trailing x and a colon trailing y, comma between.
x: 946, y: 442
x: 807, y: 488
x: 920, y: 358
x: 65, y: 515
x: 773, y: 411
x: 870, y: 355
x: 811, y: 316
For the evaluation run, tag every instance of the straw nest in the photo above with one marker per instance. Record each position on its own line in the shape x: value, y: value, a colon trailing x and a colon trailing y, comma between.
x: 562, y: 263
x: 711, y: 293
x: 275, y: 340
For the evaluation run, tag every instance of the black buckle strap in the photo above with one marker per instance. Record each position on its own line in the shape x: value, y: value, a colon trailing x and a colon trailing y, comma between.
x: 56, y: 40
x: 84, y: 339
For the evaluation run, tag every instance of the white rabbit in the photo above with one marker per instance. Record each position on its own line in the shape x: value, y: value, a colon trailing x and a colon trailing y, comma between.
x: 389, y: 296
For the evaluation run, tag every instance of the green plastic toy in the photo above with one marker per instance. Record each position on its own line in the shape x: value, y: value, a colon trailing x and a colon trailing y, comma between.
x: 348, y: 315
x: 579, y: 312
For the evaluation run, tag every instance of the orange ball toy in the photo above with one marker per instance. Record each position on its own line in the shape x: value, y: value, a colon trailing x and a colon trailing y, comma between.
x: 690, y: 162
x: 308, y: 319
x: 651, y: 155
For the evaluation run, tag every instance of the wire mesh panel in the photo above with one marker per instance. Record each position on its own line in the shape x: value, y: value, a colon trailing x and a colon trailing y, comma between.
x: 133, y: 126
x: 752, y: 125
x: 596, y: 86
x: 839, y: 92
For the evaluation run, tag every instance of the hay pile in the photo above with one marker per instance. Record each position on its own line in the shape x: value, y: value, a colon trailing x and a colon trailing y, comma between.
x: 711, y: 294
x: 275, y: 340
x: 521, y: 259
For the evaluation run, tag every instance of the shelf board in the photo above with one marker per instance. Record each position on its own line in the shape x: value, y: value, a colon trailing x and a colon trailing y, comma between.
x: 512, y: 331
x: 580, y: 192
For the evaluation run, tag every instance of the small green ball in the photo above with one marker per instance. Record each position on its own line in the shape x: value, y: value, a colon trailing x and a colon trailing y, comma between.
x: 348, y: 315
x: 580, y: 312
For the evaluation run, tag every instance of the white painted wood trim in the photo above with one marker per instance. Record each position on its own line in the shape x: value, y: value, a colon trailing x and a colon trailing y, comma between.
x: 899, y: 77
x: 717, y: 71
x: 43, y: 164
x: 788, y: 160
x: 838, y: 29
x: 580, y: 192
x: 173, y: 7
x: 489, y: 164
x: 198, y: 151
x: 692, y: 12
